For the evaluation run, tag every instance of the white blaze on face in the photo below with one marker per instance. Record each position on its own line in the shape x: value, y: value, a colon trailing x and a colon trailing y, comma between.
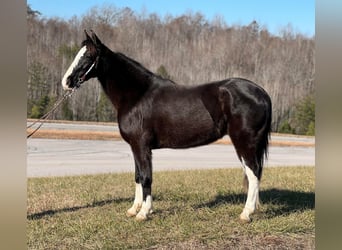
x: 72, y: 66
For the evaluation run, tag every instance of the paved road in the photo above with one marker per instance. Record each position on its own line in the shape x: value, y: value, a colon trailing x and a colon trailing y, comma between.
x: 50, y: 157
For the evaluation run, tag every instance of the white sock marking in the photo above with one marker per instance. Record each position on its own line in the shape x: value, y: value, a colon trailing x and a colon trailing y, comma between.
x: 138, y: 200
x: 138, y: 194
x: 146, y: 209
x: 252, y: 194
x: 253, y: 190
x: 147, y: 205
x: 72, y: 66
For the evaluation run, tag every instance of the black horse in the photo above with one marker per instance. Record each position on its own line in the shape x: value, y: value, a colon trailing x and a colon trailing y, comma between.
x: 158, y: 113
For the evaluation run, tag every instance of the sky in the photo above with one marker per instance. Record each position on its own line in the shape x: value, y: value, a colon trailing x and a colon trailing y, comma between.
x: 274, y: 15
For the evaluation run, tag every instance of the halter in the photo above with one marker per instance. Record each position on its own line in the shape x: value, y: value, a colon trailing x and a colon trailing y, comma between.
x: 82, y: 78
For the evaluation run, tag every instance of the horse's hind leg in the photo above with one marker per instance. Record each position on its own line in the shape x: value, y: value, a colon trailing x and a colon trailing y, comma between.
x: 245, y: 186
x: 245, y: 147
x: 252, y: 201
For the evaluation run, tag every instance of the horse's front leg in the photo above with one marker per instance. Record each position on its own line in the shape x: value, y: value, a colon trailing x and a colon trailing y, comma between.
x: 138, y: 200
x: 143, y: 161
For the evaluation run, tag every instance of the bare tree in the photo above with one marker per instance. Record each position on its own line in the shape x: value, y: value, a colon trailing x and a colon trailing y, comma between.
x: 191, y: 49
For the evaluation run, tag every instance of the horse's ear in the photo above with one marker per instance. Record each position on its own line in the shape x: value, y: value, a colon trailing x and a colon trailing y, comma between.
x: 87, y: 36
x: 95, y: 39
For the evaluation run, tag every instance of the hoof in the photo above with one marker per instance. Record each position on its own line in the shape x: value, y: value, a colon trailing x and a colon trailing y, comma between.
x: 245, y: 218
x: 141, y: 217
x: 131, y: 212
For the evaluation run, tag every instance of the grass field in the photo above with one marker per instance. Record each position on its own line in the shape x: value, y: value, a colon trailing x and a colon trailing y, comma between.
x: 193, y: 210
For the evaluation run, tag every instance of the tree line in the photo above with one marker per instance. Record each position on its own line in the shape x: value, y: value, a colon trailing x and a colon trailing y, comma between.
x: 189, y: 49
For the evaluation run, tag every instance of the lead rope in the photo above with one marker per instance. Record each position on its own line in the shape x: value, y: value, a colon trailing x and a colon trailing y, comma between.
x: 44, y: 117
x: 65, y: 96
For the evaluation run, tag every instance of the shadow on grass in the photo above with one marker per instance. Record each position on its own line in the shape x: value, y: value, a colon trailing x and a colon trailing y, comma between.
x: 277, y: 201
x: 37, y: 216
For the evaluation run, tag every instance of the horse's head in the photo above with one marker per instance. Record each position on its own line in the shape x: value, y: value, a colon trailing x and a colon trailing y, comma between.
x: 85, y: 63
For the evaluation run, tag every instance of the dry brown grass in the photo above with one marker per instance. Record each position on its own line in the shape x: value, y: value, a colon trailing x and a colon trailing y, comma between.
x: 75, y: 134
x: 196, y: 209
x: 106, y: 135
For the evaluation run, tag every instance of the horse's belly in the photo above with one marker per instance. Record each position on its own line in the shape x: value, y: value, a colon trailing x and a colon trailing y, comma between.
x: 189, y: 132
x: 186, y: 142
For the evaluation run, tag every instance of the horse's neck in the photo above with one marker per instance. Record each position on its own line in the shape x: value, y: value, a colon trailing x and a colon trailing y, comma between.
x: 124, y: 81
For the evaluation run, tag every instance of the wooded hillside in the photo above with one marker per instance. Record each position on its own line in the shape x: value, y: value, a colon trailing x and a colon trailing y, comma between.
x: 188, y: 49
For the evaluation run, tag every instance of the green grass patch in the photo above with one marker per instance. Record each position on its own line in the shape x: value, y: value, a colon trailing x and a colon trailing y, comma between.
x: 192, y: 210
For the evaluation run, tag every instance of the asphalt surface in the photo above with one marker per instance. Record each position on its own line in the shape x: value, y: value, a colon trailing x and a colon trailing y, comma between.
x: 54, y: 157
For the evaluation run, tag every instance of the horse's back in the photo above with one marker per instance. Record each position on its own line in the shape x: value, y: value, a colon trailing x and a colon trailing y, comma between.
x: 182, y: 117
x: 246, y: 92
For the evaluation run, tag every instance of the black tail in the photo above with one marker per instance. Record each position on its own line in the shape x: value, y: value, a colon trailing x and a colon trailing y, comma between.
x: 265, y: 135
x: 263, y: 142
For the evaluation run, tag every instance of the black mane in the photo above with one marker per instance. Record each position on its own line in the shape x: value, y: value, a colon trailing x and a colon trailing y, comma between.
x: 134, y: 64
